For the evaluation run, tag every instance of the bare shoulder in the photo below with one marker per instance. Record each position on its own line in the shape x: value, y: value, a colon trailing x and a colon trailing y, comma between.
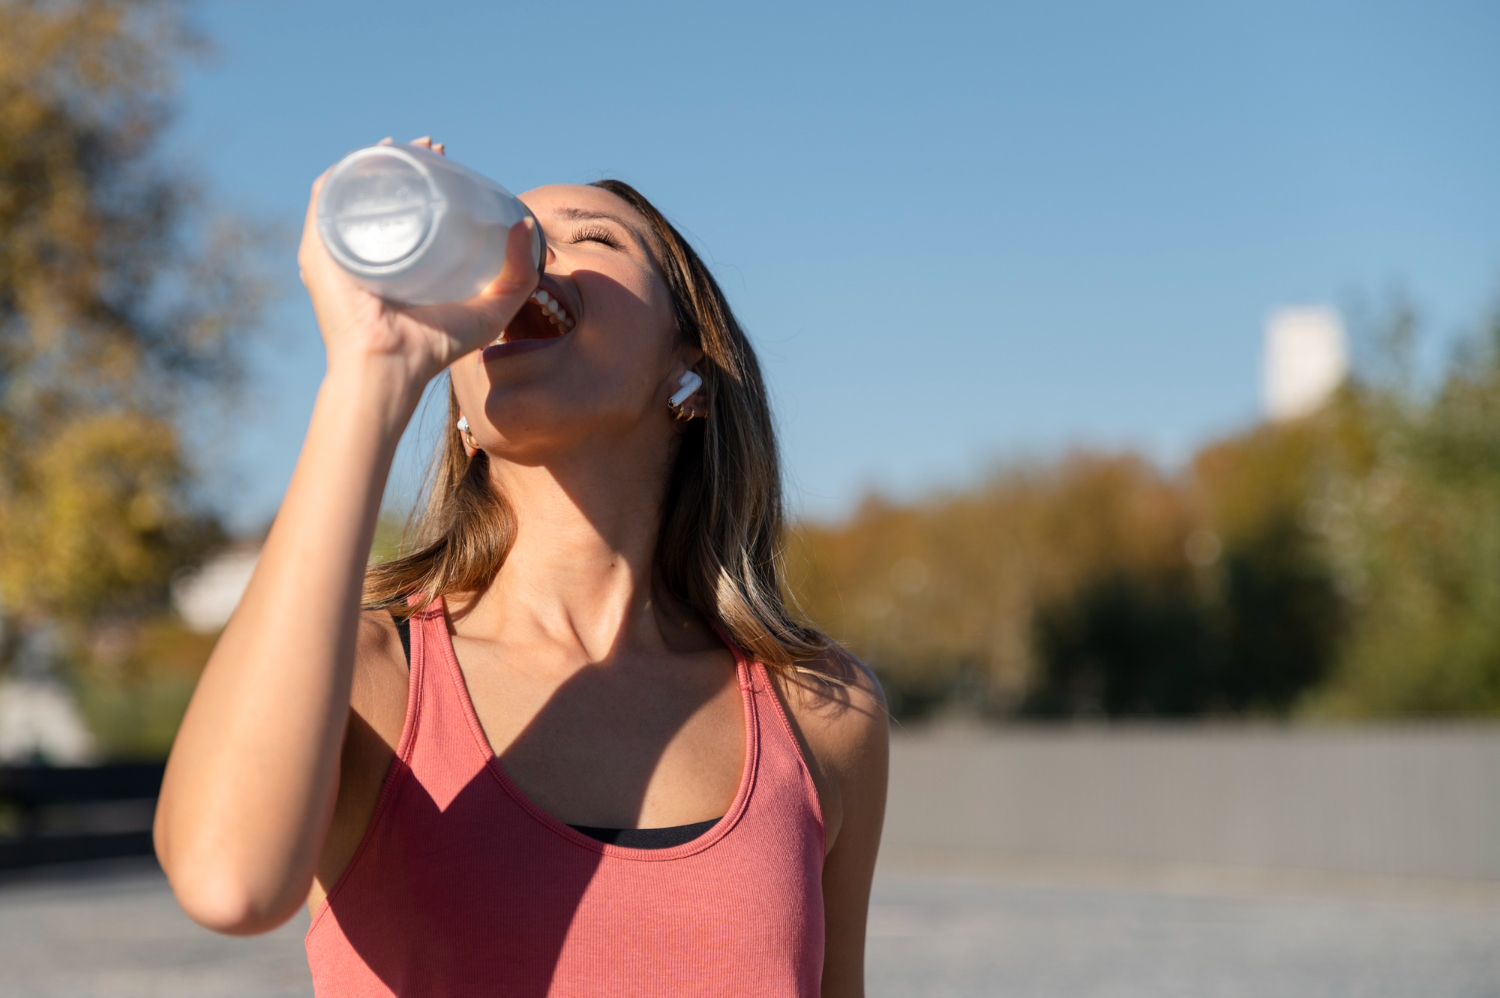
x: 377, y: 636
x: 837, y: 701
x: 838, y: 713
x: 378, y: 694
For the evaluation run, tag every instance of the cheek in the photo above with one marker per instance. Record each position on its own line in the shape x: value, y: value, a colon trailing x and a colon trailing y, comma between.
x: 632, y: 332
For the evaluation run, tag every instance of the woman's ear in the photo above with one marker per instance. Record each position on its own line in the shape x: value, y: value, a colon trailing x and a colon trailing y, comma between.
x: 466, y: 436
x: 687, y: 402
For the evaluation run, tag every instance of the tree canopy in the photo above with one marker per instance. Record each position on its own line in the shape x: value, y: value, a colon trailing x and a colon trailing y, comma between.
x: 120, y: 304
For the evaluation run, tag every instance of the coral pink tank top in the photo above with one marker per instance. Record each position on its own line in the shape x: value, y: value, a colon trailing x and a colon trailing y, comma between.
x: 463, y: 886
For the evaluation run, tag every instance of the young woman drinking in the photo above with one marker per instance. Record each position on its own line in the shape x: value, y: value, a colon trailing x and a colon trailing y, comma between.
x: 574, y: 743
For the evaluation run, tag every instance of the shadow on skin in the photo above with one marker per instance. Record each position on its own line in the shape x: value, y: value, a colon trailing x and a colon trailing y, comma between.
x: 473, y: 888
x: 492, y: 892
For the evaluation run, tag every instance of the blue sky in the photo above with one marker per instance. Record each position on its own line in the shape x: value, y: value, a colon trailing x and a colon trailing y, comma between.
x: 958, y: 233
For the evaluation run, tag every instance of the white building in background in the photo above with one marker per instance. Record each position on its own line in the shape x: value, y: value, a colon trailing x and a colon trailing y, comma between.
x: 204, y: 599
x: 1306, y: 360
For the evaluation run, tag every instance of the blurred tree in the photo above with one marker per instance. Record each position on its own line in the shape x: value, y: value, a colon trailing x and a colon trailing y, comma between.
x: 941, y: 597
x: 1123, y: 646
x: 1344, y: 564
x: 119, y: 304
x: 1272, y: 606
x: 1097, y: 585
x: 1414, y: 533
x: 1232, y: 612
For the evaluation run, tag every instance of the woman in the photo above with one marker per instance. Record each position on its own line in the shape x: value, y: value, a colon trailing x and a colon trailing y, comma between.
x: 575, y: 743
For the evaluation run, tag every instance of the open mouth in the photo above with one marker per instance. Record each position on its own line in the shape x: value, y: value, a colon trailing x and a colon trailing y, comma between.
x: 543, y: 317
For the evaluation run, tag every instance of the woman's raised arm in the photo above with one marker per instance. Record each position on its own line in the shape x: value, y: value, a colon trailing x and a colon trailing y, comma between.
x: 253, y: 775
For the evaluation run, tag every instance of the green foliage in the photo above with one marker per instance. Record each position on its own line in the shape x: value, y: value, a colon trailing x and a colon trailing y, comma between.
x: 941, y: 597
x: 115, y: 306
x: 1248, y: 634
x: 122, y: 305
x: 1097, y: 585
x: 95, y: 518
x: 1414, y: 534
x: 1343, y: 565
x: 134, y: 682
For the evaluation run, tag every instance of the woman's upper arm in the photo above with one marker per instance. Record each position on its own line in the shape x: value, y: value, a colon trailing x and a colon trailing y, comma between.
x: 846, y: 731
x: 377, y: 713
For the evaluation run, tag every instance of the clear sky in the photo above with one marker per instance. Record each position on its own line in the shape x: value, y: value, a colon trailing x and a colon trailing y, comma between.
x: 956, y: 232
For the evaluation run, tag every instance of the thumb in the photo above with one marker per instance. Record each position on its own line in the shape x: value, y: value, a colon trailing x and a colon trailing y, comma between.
x: 476, y: 322
x: 519, y: 275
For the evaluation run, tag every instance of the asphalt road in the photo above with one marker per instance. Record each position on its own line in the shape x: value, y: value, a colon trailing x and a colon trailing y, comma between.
x: 116, y: 931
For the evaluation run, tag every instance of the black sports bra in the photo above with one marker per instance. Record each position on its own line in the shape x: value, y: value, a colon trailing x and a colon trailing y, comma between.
x: 631, y: 838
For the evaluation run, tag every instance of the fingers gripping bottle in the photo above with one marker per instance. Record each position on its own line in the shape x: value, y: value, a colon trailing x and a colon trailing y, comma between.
x: 414, y: 227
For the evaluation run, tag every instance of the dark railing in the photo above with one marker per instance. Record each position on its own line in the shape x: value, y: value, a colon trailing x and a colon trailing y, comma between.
x: 61, y: 814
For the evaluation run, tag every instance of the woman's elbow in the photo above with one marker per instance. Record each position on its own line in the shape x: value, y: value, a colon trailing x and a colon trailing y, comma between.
x: 219, y: 897
x: 231, y: 907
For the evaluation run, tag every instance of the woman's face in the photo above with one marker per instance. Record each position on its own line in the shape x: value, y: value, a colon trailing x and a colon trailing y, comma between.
x: 595, y: 354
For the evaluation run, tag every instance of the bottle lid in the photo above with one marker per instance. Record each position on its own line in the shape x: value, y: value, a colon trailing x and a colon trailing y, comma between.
x: 377, y: 209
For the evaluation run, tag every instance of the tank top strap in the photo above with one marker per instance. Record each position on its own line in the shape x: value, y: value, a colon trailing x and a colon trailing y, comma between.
x: 410, y: 630
x: 445, y: 735
x: 774, y: 733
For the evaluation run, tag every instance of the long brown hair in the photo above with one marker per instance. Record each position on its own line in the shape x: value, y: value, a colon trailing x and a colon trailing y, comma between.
x: 719, y: 547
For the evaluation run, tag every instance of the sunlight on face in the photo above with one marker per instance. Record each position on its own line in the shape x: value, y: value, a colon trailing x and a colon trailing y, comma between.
x: 592, y: 355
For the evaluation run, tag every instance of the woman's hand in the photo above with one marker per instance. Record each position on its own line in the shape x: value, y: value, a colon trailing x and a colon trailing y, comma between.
x: 359, y: 326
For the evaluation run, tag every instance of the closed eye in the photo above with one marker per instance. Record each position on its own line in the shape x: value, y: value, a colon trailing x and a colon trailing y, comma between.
x: 597, y: 234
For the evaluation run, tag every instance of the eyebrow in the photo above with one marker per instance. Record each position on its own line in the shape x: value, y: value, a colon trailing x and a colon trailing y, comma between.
x: 581, y: 214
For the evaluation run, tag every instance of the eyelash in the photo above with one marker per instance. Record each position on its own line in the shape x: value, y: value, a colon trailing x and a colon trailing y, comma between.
x: 596, y: 234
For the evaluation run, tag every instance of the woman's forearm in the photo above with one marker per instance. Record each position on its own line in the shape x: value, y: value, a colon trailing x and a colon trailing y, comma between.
x: 253, y: 775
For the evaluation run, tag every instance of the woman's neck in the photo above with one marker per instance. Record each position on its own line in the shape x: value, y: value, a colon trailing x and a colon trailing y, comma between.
x: 580, y: 570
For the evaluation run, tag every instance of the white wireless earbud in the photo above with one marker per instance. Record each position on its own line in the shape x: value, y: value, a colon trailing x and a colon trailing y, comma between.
x: 690, y: 383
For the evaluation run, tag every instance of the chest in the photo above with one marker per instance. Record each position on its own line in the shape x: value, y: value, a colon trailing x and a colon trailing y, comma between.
x: 616, y: 745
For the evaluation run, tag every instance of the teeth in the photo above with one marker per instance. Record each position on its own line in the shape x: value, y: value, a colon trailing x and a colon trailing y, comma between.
x: 553, y: 310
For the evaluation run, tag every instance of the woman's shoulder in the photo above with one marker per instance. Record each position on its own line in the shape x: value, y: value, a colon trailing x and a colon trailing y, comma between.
x: 837, y: 692
x: 838, y: 702
x: 838, y: 713
x: 378, y: 693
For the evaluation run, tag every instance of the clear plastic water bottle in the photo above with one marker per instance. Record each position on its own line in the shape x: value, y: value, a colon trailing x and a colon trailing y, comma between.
x: 415, y: 227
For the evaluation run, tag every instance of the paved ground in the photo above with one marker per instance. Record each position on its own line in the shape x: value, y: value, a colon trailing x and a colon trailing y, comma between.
x: 955, y: 939
x: 116, y: 931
